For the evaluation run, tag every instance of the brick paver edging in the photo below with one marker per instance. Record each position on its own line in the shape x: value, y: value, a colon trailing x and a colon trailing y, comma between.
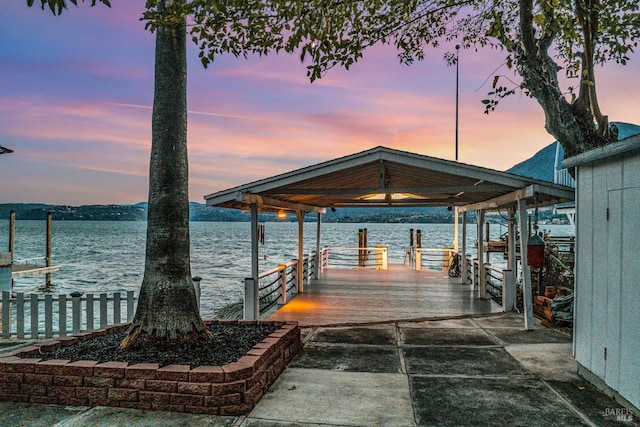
x: 232, y: 389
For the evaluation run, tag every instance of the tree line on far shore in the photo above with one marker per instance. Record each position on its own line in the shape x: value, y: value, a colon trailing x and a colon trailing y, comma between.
x: 201, y: 212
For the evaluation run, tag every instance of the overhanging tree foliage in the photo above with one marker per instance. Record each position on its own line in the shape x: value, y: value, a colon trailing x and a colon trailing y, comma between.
x: 539, y: 37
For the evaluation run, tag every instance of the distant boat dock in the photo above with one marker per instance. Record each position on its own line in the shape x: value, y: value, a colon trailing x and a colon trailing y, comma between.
x: 11, y: 268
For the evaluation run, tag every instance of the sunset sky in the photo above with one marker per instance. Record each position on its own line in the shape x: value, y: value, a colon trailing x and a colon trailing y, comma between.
x: 76, y: 94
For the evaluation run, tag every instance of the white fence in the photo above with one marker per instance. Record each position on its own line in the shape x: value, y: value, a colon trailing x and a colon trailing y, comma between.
x: 37, y: 316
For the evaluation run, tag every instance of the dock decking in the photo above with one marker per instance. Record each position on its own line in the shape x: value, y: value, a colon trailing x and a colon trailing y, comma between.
x: 354, y: 296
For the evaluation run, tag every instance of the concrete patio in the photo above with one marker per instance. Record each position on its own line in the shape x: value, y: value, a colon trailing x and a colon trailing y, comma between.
x: 475, y: 371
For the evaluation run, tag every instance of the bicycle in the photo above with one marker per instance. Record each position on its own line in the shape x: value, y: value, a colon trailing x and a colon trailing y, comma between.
x: 454, y: 265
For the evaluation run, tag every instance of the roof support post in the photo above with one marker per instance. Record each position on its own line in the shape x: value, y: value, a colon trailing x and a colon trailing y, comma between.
x: 300, y: 216
x: 463, y: 255
x: 318, y: 261
x: 252, y: 286
x: 511, y: 239
x: 526, y: 271
x: 482, y: 283
x: 509, y: 275
x: 456, y: 218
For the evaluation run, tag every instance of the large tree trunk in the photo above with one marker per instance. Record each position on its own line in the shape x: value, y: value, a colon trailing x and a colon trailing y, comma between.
x: 167, y: 304
x: 574, y: 125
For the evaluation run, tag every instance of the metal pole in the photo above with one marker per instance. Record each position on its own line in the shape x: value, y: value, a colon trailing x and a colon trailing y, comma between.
x: 463, y: 255
x: 12, y: 233
x: 48, y: 258
x: 455, y: 214
x: 482, y: 289
x: 318, y: 259
x: 526, y: 271
x: 457, y: 75
x: 252, y: 295
x: 300, y: 216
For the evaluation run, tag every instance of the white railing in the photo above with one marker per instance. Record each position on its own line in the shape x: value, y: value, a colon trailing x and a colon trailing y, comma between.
x: 491, y: 282
x: 432, y: 258
x: 376, y: 257
x: 37, y: 316
x: 563, y: 177
x: 275, y: 286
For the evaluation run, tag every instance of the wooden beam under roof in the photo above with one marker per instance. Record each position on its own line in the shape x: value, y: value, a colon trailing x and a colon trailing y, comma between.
x: 270, y: 202
x: 534, y: 193
x: 487, y: 188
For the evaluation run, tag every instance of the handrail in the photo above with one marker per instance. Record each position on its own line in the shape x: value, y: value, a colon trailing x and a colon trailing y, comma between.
x: 362, y: 257
x: 494, y: 283
x: 277, y: 284
x: 436, y: 258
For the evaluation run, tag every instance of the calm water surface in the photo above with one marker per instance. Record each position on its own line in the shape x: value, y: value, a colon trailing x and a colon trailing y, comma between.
x: 105, y: 256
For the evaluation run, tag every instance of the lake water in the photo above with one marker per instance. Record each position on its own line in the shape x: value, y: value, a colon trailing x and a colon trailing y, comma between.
x: 105, y: 256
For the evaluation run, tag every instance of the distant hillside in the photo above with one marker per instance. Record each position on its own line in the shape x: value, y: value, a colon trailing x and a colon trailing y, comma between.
x: 201, y: 212
x: 541, y: 165
x: 137, y: 212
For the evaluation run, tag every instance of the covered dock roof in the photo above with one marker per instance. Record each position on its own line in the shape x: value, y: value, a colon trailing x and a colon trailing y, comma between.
x: 385, y: 177
x: 382, y: 177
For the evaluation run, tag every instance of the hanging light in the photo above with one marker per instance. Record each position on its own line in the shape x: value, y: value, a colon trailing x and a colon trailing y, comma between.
x: 281, y: 214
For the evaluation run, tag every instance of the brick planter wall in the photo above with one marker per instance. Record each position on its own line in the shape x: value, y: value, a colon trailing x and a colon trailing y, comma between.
x: 232, y: 389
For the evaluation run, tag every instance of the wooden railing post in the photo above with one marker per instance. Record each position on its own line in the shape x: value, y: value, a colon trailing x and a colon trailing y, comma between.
x: 90, y: 322
x: 315, y: 264
x: 476, y: 274
x: 6, y: 314
x: 295, y: 272
x: 251, y: 299
x: 48, y: 316
x: 508, y: 290
x: 131, y: 305
x: 482, y: 280
x: 464, y: 268
x: 305, y: 270
x: 282, y: 279
x: 103, y: 310
x: 20, y: 315
x: 76, y: 313
x: 62, y: 315
x: 34, y: 315
x: 117, y: 308
x: 418, y: 258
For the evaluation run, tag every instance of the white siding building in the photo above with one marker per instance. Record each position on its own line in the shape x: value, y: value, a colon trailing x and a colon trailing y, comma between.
x: 607, y: 291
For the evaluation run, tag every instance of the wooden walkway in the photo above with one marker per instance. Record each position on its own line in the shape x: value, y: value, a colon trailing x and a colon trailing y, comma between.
x: 355, y: 296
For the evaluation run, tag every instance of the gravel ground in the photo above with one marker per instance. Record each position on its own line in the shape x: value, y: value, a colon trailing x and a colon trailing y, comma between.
x: 229, y: 343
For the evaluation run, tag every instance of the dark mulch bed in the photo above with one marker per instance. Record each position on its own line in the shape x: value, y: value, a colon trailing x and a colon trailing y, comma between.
x: 229, y: 343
